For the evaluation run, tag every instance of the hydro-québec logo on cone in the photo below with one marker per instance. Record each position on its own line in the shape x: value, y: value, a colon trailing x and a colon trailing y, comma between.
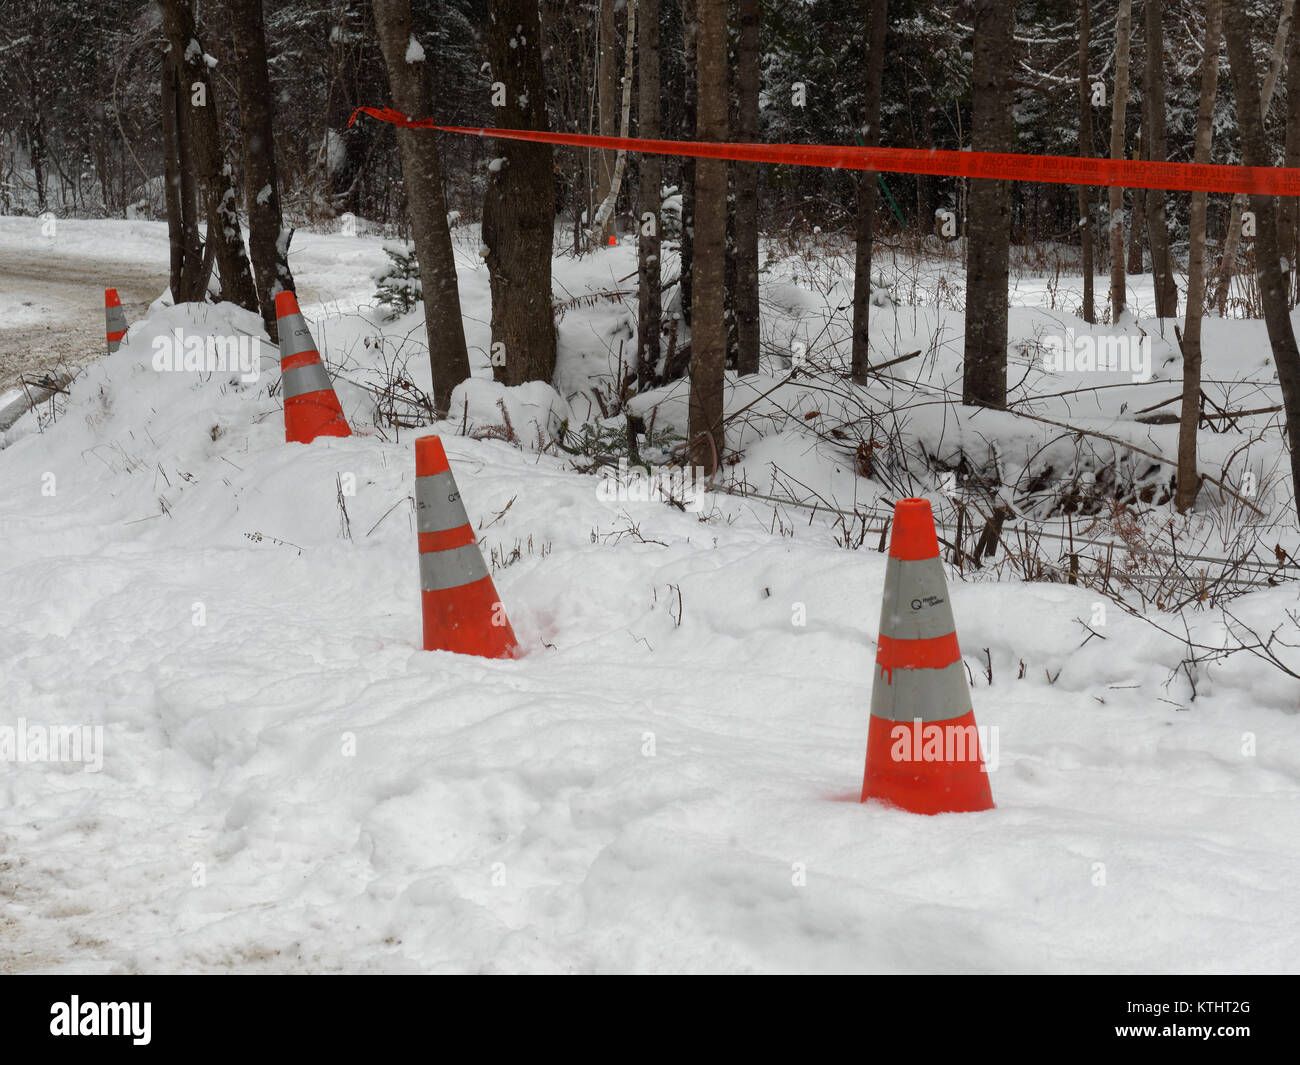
x: 178, y: 352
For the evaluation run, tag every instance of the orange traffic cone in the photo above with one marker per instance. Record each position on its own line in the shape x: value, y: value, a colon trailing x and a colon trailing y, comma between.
x: 462, y: 611
x: 923, y: 750
x: 311, y: 408
x: 115, y: 319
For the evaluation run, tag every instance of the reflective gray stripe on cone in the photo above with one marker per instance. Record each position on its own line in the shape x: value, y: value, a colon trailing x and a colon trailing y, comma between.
x: 438, y: 505
x: 930, y: 694
x: 915, y: 605
x: 457, y: 566
x: 115, y: 322
x: 295, y: 337
x: 303, y: 379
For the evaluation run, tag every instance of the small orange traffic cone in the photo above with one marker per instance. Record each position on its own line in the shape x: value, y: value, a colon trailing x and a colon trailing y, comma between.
x: 923, y: 750
x: 461, y: 608
x: 311, y: 408
x: 115, y: 320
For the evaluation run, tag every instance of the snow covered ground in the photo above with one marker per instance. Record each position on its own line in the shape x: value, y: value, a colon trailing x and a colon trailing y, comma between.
x: 666, y: 781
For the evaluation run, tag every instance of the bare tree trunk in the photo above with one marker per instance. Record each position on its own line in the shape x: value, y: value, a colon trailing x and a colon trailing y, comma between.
x: 1289, y: 206
x: 422, y: 179
x: 984, y: 373
x: 1137, y: 226
x: 649, y: 184
x: 607, y: 94
x: 1254, y: 150
x: 1276, y: 57
x: 868, y: 196
x: 604, y: 222
x: 746, y: 307
x: 267, y: 240
x: 709, y: 334
x: 690, y: 93
x: 1085, y: 151
x: 176, y: 235
x: 732, y: 361
x: 583, y: 180
x: 1157, y: 150
x: 36, y: 141
x: 925, y: 183
x: 1123, y: 30
x: 1189, y: 419
x: 196, y: 260
x: 519, y: 208
x: 1231, y: 239
x: 225, y: 234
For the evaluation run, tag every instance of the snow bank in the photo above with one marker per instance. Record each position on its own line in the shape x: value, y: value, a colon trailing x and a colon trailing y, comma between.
x: 534, y: 409
x: 666, y: 781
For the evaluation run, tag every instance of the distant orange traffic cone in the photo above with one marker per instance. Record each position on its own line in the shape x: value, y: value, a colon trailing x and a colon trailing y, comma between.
x: 923, y: 750
x: 115, y: 320
x: 613, y: 241
x: 461, y: 608
x: 311, y: 408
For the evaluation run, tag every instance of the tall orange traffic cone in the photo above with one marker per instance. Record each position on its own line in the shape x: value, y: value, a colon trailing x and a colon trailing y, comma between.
x: 115, y: 320
x: 462, y: 611
x: 923, y: 750
x: 311, y: 408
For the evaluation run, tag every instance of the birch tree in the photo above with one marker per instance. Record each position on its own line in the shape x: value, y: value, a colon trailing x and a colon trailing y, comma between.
x: 603, y: 226
x: 607, y: 105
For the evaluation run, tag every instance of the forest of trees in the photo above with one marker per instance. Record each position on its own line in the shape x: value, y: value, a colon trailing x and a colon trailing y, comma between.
x: 228, y: 114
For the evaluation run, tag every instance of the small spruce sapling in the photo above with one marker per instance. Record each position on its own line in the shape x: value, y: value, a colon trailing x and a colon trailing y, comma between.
x: 399, y: 282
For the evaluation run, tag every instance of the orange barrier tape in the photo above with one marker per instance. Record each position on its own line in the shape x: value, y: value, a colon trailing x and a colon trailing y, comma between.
x: 1051, y: 169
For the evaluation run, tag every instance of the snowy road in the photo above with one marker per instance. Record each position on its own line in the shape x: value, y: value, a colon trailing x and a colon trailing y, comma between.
x: 52, y: 288
x: 54, y: 307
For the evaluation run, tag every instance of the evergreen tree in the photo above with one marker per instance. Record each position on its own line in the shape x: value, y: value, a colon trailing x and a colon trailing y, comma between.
x: 399, y: 280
